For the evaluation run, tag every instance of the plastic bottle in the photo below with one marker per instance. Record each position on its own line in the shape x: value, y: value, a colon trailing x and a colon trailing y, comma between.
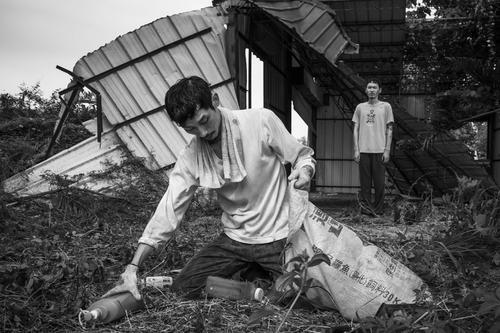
x: 114, y: 307
x: 111, y: 308
x: 232, y: 289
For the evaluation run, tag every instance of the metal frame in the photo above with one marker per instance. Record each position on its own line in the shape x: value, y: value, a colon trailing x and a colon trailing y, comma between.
x: 80, y: 83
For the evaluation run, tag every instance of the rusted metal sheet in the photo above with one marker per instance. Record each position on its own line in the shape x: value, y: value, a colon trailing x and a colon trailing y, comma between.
x: 138, y: 70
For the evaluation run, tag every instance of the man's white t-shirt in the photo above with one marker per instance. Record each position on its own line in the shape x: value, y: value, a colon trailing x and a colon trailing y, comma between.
x: 372, y: 120
x: 254, y: 210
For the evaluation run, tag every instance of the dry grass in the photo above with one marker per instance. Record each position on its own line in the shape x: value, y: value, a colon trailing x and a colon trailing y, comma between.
x: 61, y: 250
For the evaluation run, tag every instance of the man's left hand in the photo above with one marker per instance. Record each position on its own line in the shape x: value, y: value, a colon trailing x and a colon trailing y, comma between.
x: 303, y: 177
x: 386, y: 156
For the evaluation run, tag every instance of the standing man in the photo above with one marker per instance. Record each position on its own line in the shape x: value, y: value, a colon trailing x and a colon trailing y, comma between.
x: 241, y: 154
x: 373, y: 122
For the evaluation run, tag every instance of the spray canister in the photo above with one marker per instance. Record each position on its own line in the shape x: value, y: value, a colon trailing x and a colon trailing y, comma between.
x: 232, y: 289
x: 157, y: 281
x: 114, y: 307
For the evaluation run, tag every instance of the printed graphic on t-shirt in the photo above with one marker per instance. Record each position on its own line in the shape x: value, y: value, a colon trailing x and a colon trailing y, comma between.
x: 370, y: 118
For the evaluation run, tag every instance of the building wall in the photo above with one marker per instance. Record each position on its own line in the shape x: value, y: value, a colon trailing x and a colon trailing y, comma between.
x: 336, y: 169
x: 277, y: 87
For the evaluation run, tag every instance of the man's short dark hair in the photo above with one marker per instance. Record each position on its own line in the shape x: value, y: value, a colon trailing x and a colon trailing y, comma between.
x: 377, y: 82
x: 186, y: 96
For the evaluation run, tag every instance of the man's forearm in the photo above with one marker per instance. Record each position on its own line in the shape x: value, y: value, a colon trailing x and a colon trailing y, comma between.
x: 142, y: 253
x: 388, y: 138
x: 355, y: 137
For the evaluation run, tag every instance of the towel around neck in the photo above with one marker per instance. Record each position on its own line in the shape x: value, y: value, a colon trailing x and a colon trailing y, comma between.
x: 232, y: 155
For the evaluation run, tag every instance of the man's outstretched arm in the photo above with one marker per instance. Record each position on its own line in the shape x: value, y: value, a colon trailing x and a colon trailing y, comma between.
x: 128, y: 279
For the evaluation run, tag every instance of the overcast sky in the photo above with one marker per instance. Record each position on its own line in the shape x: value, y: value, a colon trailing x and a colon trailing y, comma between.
x: 37, y: 35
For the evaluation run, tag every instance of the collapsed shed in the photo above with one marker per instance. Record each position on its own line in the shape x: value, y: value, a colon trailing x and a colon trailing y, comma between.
x: 316, y: 54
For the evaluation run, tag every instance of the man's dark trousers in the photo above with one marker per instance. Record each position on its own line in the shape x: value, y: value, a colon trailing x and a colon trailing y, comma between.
x: 225, y: 257
x: 372, y: 170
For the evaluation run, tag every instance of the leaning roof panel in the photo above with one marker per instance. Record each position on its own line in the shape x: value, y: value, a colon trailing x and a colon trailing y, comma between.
x: 133, y: 72
x: 315, y: 23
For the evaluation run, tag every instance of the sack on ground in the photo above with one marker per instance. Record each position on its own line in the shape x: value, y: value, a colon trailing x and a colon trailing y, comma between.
x: 360, y: 277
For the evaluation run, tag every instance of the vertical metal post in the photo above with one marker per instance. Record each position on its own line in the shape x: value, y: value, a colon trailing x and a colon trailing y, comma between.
x: 62, y: 119
x: 249, y: 88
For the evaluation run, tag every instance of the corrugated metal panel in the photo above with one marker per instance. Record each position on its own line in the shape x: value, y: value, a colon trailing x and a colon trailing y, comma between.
x: 315, y: 23
x: 356, y: 11
x: 335, y: 140
x: 438, y: 165
x: 80, y: 159
x: 138, y: 88
x: 378, y: 26
x: 334, y: 151
x: 277, y: 93
x: 331, y: 172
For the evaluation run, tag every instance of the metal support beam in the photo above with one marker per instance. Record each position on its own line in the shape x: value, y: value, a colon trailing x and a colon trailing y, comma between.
x: 67, y: 108
x: 139, y: 59
x: 161, y: 108
x: 82, y: 84
x: 374, y: 23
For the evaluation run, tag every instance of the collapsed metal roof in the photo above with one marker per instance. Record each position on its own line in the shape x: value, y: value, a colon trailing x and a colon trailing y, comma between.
x: 417, y: 167
x: 314, y: 23
x: 379, y: 27
x: 132, y: 74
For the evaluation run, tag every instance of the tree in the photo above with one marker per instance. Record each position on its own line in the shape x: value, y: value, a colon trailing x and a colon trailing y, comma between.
x: 452, y: 48
x: 27, y: 121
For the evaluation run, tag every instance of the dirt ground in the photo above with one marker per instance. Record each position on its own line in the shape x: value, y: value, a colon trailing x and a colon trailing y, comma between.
x: 61, y: 250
